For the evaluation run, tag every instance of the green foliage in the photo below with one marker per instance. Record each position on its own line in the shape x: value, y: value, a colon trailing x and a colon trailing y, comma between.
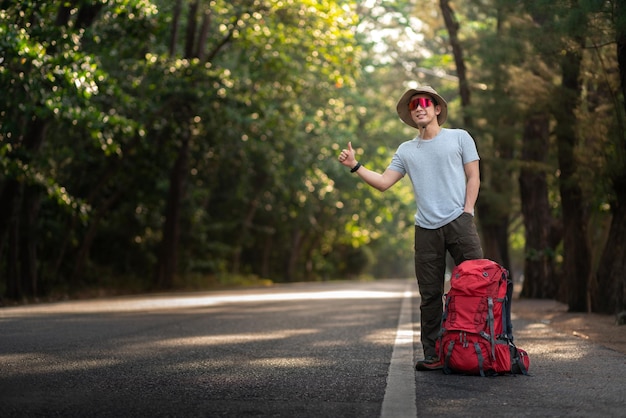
x: 100, y: 100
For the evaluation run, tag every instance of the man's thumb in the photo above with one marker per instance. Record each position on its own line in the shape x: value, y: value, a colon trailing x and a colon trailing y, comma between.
x: 350, y: 146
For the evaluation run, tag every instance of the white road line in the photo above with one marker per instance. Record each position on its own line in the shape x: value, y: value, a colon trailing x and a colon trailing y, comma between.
x: 399, y: 400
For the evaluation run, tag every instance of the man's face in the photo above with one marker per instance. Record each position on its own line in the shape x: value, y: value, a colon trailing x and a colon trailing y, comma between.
x: 423, y: 110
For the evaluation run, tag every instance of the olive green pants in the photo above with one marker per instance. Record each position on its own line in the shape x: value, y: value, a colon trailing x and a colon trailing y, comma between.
x: 459, y: 238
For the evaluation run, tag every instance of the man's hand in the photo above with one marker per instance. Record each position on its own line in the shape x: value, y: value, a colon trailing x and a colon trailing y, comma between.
x: 378, y: 181
x: 346, y: 156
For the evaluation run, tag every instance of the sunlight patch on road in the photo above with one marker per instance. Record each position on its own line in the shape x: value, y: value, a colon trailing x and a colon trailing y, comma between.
x: 226, y: 339
x: 380, y: 337
x: 33, y: 363
x: 222, y: 369
x: 535, y: 335
x: 147, y: 303
x: 564, y: 351
x: 287, y: 362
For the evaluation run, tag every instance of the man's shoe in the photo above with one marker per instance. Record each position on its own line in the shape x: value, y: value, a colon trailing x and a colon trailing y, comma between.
x: 429, y: 363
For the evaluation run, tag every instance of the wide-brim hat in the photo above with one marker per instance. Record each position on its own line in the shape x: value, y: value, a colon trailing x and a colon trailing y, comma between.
x: 403, y: 105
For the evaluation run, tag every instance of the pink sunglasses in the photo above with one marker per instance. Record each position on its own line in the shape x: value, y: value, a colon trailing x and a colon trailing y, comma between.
x: 419, y: 101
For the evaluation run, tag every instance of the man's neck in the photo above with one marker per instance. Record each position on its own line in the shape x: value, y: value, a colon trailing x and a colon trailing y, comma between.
x: 430, y: 131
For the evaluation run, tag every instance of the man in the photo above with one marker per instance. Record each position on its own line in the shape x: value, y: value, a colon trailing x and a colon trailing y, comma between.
x: 443, y: 167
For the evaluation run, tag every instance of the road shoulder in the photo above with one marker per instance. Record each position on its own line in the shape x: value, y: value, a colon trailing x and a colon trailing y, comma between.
x: 596, y: 328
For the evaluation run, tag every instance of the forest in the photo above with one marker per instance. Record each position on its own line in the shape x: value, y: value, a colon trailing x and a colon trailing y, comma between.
x: 150, y: 145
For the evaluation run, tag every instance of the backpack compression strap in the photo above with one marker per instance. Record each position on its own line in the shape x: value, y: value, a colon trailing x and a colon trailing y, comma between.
x: 446, y: 363
x: 491, y: 328
x: 481, y: 359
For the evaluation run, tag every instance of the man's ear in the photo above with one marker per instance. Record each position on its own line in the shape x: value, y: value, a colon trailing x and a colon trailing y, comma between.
x: 437, y: 109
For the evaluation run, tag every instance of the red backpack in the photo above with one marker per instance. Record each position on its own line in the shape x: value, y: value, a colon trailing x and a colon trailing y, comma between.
x: 476, y: 334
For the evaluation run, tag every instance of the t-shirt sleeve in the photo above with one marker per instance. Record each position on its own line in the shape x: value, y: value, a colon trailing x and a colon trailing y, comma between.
x: 396, y: 164
x: 468, y: 148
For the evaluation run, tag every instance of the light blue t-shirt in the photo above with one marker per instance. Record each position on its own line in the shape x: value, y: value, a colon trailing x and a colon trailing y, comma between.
x: 436, y: 170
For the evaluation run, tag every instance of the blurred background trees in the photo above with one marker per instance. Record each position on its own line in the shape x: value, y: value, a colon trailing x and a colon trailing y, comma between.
x: 148, y: 145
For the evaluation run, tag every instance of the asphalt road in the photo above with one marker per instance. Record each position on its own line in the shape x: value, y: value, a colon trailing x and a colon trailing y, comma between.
x: 339, y: 349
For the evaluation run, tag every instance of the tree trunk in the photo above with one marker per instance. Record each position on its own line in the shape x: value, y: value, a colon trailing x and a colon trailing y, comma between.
x: 501, y: 182
x: 452, y: 25
x: 609, y: 295
x: 87, y: 14
x: 28, y: 241
x: 243, y: 235
x: 201, y: 51
x: 266, y: 263
x: 494, y: 235
x: 168, y: 255
x: 14, y: 289
x: 191, y: 30
x: 577, y: 258
x: 10, y: 196
x: 610, y: 291
x: 178, y: 7
x: 294, y: 254
x: 540, y: 280
x: 493, y: 226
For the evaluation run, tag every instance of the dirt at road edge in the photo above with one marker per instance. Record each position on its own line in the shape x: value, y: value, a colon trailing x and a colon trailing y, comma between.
x: 600, y: 329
